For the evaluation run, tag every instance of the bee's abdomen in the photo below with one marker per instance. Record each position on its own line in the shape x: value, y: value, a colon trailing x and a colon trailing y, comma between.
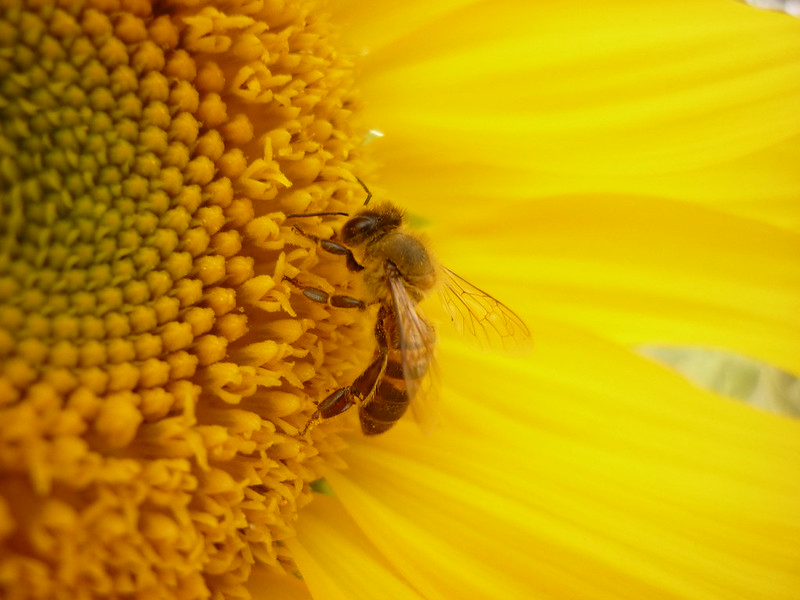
x: 389, y: 403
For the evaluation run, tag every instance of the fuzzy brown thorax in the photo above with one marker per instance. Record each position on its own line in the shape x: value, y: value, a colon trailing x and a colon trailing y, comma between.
x: 378, y: 232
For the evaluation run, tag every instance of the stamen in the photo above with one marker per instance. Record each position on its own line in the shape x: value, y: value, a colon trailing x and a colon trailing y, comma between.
x: 156, y: 367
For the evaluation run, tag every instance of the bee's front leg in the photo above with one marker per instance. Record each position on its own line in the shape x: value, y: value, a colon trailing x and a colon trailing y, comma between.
x: 333, y: 248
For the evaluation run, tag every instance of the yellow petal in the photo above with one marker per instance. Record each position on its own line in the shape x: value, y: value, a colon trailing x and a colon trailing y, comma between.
x: 338, y: 561
x: 695, y: 99
x: 639, y: 270
x: 582, y: 471
x: 265, y: 584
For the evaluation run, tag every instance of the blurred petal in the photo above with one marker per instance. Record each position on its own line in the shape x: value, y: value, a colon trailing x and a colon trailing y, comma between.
x: 374, y: 26
x: 337, y: 559
x: 640, y: 270
x: 266, y: 584
x: 583, y: 471
x: 625, y: 482
x: 694, y: 99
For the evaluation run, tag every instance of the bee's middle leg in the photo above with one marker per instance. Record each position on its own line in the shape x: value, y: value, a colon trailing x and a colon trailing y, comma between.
x: 323, y: 297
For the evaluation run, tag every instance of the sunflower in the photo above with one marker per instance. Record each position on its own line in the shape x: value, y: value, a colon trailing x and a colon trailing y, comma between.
x: 619, y: 173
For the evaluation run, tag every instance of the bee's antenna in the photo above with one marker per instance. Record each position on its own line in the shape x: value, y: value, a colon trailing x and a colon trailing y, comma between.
x: 334, y: 214
x: 366, y: 189
x: 318, y: 214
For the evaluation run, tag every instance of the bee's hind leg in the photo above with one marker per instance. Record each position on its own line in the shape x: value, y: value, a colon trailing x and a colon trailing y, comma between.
x: 345, y: 398
x: 335, y: 404
x: 323, y: 297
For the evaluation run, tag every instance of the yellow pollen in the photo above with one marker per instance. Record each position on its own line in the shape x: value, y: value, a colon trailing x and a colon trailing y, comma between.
x: 155, y: 367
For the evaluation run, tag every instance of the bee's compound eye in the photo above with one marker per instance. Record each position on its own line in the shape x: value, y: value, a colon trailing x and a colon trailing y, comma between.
x: 359, y: 228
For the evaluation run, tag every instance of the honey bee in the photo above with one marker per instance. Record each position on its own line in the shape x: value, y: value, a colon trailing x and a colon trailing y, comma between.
x: 398, y: 271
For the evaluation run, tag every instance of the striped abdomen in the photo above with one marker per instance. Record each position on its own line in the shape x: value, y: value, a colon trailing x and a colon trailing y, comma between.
x: 394, y: 390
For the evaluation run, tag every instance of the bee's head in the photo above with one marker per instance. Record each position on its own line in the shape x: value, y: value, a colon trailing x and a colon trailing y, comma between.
x: 371, y: 224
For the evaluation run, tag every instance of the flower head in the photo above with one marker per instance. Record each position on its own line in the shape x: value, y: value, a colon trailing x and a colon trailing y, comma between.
x: 155, y: 371
x: 158, y: 362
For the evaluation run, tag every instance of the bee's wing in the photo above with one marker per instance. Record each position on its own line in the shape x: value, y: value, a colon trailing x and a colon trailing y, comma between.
x: 417, y: 345
x: 477, y: 314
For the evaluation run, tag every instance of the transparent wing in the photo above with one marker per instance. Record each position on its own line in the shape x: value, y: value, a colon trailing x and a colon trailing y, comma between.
x: 417, y: 346
x: 481, y: 316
